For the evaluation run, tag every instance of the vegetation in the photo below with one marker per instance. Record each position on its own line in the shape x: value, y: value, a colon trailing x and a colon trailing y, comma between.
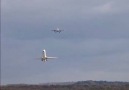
x: 81, y: 85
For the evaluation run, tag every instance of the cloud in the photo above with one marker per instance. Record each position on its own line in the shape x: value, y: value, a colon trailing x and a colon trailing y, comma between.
x: 110, y: 7
x: 94, y: 45
x: 106, y: 8
x: 87, y: 59
x: 60, y: 10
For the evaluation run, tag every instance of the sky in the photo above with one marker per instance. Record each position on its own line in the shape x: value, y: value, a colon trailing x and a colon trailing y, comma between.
x: 93, y: 46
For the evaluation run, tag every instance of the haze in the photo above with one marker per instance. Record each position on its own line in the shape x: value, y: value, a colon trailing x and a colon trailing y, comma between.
x: 94, y: 45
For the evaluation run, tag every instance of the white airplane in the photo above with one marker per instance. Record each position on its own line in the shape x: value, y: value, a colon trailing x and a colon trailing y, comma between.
x: 57, y: 30
x: 45, y: 57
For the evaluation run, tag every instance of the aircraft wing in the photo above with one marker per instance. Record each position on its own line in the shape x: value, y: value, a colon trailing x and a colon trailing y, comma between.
x: 53, y: 30
x: 51, y: 57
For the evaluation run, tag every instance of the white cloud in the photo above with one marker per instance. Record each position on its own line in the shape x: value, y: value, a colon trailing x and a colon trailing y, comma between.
x: 64, y: 10
x: 103, y: 9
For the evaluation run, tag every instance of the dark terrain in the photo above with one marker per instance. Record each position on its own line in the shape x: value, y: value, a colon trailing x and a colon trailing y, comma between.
x: 81, y: 85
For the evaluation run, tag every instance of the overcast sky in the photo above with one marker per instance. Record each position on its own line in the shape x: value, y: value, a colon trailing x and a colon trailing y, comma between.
x: 93, y: 46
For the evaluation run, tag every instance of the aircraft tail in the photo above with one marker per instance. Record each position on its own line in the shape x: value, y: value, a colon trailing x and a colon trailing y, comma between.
x: 45, y: 56
x: 44, y: 53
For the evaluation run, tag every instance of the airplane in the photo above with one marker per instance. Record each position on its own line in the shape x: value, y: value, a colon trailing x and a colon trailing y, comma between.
x: 45, y: 57
x: 57, y: 30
